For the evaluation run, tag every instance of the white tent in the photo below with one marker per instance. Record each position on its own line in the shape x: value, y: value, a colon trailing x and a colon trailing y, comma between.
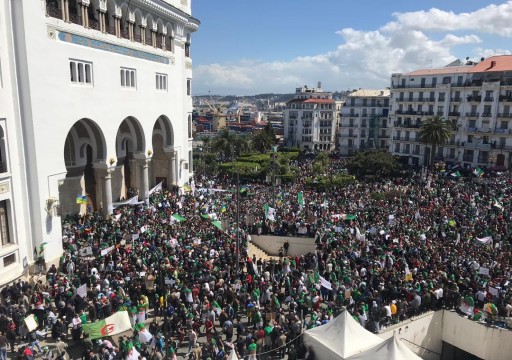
x: 390, y: 349
x: 232, y: 355
x: 340, y: 338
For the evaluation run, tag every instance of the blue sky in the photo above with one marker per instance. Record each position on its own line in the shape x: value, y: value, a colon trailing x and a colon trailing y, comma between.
x: 246, y: 47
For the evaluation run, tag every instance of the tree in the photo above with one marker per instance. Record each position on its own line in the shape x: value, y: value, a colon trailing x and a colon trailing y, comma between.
x: 435, y: 131
x: 262, y: 142
x: 373, y: 162
x: 225, y: 143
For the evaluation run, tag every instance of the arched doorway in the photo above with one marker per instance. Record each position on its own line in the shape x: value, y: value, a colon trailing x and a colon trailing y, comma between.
x: 129, y: 141
x: 163, y: 163
x: 84, y: 146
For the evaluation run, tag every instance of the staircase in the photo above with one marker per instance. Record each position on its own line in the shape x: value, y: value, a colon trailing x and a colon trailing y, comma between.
x: 253, y: 249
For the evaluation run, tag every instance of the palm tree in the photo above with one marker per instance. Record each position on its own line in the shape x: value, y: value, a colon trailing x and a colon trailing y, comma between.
x: 224, y: 143
x: 435, y: 131
x: 262, y: 142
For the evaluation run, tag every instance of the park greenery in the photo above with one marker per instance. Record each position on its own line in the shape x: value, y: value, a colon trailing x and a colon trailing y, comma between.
x: 254, y: 156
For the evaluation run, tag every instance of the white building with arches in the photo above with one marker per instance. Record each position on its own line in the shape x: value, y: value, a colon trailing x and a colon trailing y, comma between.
x: 95, y: 101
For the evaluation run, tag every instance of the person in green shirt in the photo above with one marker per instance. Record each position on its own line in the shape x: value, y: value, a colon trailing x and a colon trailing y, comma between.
x: 251, y: 349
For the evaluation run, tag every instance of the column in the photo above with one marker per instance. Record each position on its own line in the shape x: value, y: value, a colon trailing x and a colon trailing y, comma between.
x: 171, y: 175
x: 145, y: 180
x: 66, y: 11
x: 63, y: 6
x: 107, y: 194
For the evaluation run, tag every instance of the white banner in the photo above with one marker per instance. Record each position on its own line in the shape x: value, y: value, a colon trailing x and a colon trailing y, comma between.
x: 326, y: 284
x: 483, y: 271
x: 107, y: 250
x: 82, y: 291
x: 86, y: 251
x: 131, y: 201
x: 158, y: 187
x: 31, y: 322
x: 484, y: 240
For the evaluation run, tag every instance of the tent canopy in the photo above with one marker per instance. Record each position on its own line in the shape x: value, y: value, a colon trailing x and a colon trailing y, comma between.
x: 390, y: 349
x: 340, y: 338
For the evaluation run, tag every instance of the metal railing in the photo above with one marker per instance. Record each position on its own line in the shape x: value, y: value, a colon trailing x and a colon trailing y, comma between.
x: 53, y: 11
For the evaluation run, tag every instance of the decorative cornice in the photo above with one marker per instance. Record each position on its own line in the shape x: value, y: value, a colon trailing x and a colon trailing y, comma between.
x: 171, y: 12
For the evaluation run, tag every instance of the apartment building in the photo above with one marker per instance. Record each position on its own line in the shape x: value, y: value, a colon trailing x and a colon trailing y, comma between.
x: 364, y: 121
x: 475, y: 99
x: 310, y: 119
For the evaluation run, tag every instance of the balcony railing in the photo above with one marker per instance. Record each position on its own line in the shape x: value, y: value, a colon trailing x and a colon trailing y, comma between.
x: 506, y: 98
x: 468, y: 158
x: 3, y: 166
x: 440, y: 113
x: 430, y: 99
x: 486, y: 114
x: 93, y: 24
x: 75, y: 19
x: 415, y: 152
x: 159, y: 42
x: 477, y: 98
x: 353, y: 115
x: 472, y: 114
x: 502, y: 131
x: 488, y: 99
x: 456, y: 99
x: 483, y: 159
x: 454, y: 113
x: 477, y: 146
x: 505, y: 115
x: 407, y: 126
x: 53, y: 11
x: 441, y: 98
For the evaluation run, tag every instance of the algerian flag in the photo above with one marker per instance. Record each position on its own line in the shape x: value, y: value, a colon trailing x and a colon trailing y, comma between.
x: 115, y: 324
x: 177, y: 217
x: 478, y: 172
x: 300, y: 198
x: 467, y: 305
x: 217, y: 224
x: 456, y: 174
x: 270, y: 212
x: 452, y: 223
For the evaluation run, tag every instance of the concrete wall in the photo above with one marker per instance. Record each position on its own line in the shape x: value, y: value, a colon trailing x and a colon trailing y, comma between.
x: 432, y: 329
x: 423, y: 330
x: 271, y: 244
x: 477, y: 339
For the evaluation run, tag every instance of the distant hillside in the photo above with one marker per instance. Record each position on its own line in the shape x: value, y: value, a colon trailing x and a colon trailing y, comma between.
x: 252, y: 98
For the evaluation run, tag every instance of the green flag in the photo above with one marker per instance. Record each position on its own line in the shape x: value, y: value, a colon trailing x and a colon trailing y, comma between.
x: 217, y: 224
x: 178, y: 217
x: 300, y: 198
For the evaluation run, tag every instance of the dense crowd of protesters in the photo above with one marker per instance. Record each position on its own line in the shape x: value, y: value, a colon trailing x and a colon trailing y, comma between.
x: 390, y: 249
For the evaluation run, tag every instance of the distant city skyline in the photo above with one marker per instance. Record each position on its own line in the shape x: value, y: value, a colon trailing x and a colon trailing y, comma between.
x: 252, y: 47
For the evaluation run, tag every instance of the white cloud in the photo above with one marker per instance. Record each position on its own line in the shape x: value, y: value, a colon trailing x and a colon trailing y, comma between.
x: 366, y: 59
x: 492, y: 19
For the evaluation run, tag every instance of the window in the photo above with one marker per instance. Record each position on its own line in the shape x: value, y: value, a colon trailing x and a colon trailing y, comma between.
x: 190, y: 126
x: 161, y: 81
x: 4, y: 224
x: 189, y: 87
x: 128, y: 79
x: 9, y: 259
x: 80, y: 72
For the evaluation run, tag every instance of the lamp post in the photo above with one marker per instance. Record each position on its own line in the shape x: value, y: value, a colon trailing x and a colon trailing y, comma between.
x: 237, y: 245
